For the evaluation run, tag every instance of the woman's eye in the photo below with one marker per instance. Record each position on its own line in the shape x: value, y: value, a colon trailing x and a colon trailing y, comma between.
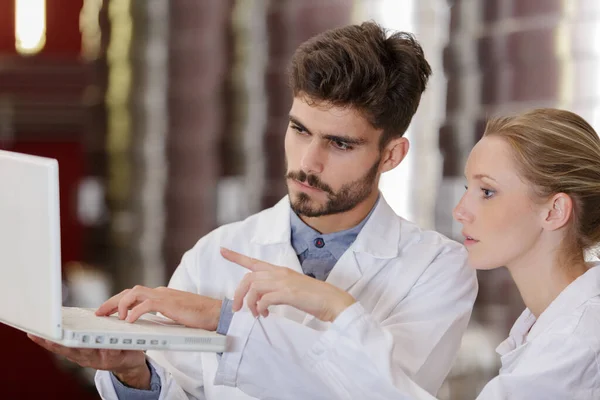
x: 487, y: 193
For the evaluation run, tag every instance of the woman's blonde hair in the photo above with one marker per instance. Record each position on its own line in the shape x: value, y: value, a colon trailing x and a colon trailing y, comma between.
x: 557, y: 151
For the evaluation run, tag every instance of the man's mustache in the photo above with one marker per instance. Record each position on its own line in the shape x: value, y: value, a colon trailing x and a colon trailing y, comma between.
x: 311, y: 180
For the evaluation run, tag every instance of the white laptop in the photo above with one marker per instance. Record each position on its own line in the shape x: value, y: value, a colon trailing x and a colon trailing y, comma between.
x: 30, y: 272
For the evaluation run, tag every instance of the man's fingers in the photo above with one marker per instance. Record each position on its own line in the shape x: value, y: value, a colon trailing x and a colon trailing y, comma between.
x: 251, y: 279
x: 247, y: 262
x: 54, y: 347
x: 111, y: 305
x: 132, y: 299
x: 252, y: 298
x: 240, y: 292
x: 258, y: 290
x: 144, y: 307
x: 269, y: 299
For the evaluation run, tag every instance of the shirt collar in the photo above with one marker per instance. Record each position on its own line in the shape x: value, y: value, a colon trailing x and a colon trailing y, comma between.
x: 303, y: 236
x: 381, y: 237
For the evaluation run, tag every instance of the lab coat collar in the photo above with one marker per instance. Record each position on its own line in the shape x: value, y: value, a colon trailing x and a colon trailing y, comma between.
x: 379, y: 237
x: 578, y: 292
x: 518, y: 333
x: 526, y: 328
x: 274, y: 225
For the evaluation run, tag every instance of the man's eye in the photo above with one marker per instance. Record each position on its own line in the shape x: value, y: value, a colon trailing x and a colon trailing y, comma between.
x: 298, y: 129
x: 341, y: 145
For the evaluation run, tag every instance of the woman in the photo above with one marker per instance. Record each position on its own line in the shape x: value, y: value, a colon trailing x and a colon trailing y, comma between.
x: 532, y: 204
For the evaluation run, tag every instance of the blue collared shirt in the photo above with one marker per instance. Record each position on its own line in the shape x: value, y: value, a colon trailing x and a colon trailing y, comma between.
x: 318, y: 253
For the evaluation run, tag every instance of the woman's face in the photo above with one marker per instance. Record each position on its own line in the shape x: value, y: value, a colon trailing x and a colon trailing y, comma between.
x: 501, y: 222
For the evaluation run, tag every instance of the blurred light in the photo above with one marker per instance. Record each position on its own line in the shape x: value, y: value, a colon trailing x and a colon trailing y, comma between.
x: 89, y: 25
x: 30, y: 26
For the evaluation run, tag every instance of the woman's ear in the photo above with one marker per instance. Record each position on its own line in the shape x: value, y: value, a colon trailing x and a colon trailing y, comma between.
x: 558, y: 211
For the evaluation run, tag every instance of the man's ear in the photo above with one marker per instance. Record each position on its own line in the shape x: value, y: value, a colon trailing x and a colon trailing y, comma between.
x: 393, y: 153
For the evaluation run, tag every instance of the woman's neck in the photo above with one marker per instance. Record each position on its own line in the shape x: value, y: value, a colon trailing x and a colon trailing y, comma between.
x: 541, y: 276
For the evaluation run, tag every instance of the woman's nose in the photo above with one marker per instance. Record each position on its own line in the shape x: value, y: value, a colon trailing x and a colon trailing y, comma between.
x: 460, y: 212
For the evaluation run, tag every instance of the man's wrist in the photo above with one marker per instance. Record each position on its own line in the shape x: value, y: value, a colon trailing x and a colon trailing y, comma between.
x: 215, y: 315
x: 343, y: 304
x: 225, y: 316
x: 137, y: 378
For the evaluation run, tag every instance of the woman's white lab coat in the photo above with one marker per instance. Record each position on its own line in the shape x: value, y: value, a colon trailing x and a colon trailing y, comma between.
x: 414, y: 284
x: 556, y: 357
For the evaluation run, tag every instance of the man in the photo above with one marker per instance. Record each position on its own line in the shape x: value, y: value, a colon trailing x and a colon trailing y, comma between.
x: 355, y: 92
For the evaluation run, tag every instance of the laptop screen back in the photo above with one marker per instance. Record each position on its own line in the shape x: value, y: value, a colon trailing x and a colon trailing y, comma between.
x: 30, y: 263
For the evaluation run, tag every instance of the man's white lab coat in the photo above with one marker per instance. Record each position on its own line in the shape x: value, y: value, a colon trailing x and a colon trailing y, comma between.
x: 554, y: 357
x: 414, y: 284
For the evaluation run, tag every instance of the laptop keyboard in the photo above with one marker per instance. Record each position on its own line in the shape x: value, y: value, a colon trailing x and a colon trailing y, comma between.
x: 84, y: 319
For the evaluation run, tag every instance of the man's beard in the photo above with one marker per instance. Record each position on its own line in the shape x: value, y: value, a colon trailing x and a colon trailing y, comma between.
x: 345, y: 199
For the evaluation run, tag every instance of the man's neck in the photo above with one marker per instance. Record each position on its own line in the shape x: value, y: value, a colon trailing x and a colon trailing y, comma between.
x: 342, y: 221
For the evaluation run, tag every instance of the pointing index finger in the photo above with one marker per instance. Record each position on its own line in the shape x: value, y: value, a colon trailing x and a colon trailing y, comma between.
x: 244, y: 261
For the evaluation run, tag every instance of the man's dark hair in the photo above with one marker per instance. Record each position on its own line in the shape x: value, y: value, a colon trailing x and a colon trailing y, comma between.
x: 358, y: 66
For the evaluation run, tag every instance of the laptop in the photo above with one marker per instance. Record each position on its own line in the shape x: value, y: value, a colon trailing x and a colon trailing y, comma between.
x: 30, y: 273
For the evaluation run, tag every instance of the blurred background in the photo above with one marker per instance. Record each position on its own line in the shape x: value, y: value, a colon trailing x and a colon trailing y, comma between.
x: 168, y: 117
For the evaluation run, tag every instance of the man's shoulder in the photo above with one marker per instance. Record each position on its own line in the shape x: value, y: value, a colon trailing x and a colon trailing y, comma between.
x: 412, y: 235
x: 240, y: 232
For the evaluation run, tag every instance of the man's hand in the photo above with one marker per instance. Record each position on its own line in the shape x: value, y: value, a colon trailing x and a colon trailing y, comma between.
x: 269, y: 284
x: 129, y: 366
x: 186, y: 308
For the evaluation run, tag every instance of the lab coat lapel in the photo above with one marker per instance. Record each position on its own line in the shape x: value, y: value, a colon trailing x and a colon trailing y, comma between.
x: 375, y: 244
x: 346, y: 271
x: 273, y: 238
x: 378, y: 239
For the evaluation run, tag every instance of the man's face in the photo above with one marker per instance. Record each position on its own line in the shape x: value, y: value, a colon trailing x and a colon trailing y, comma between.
x: 333, y: 158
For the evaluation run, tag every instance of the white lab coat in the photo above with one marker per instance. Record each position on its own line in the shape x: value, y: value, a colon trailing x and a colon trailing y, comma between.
x: 556, y: 357
x: 414, y: 284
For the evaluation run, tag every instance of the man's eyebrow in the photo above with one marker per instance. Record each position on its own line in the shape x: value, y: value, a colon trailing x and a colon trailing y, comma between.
x: 346, y: 139
x: 295, y: 121
x: 334, y: 138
